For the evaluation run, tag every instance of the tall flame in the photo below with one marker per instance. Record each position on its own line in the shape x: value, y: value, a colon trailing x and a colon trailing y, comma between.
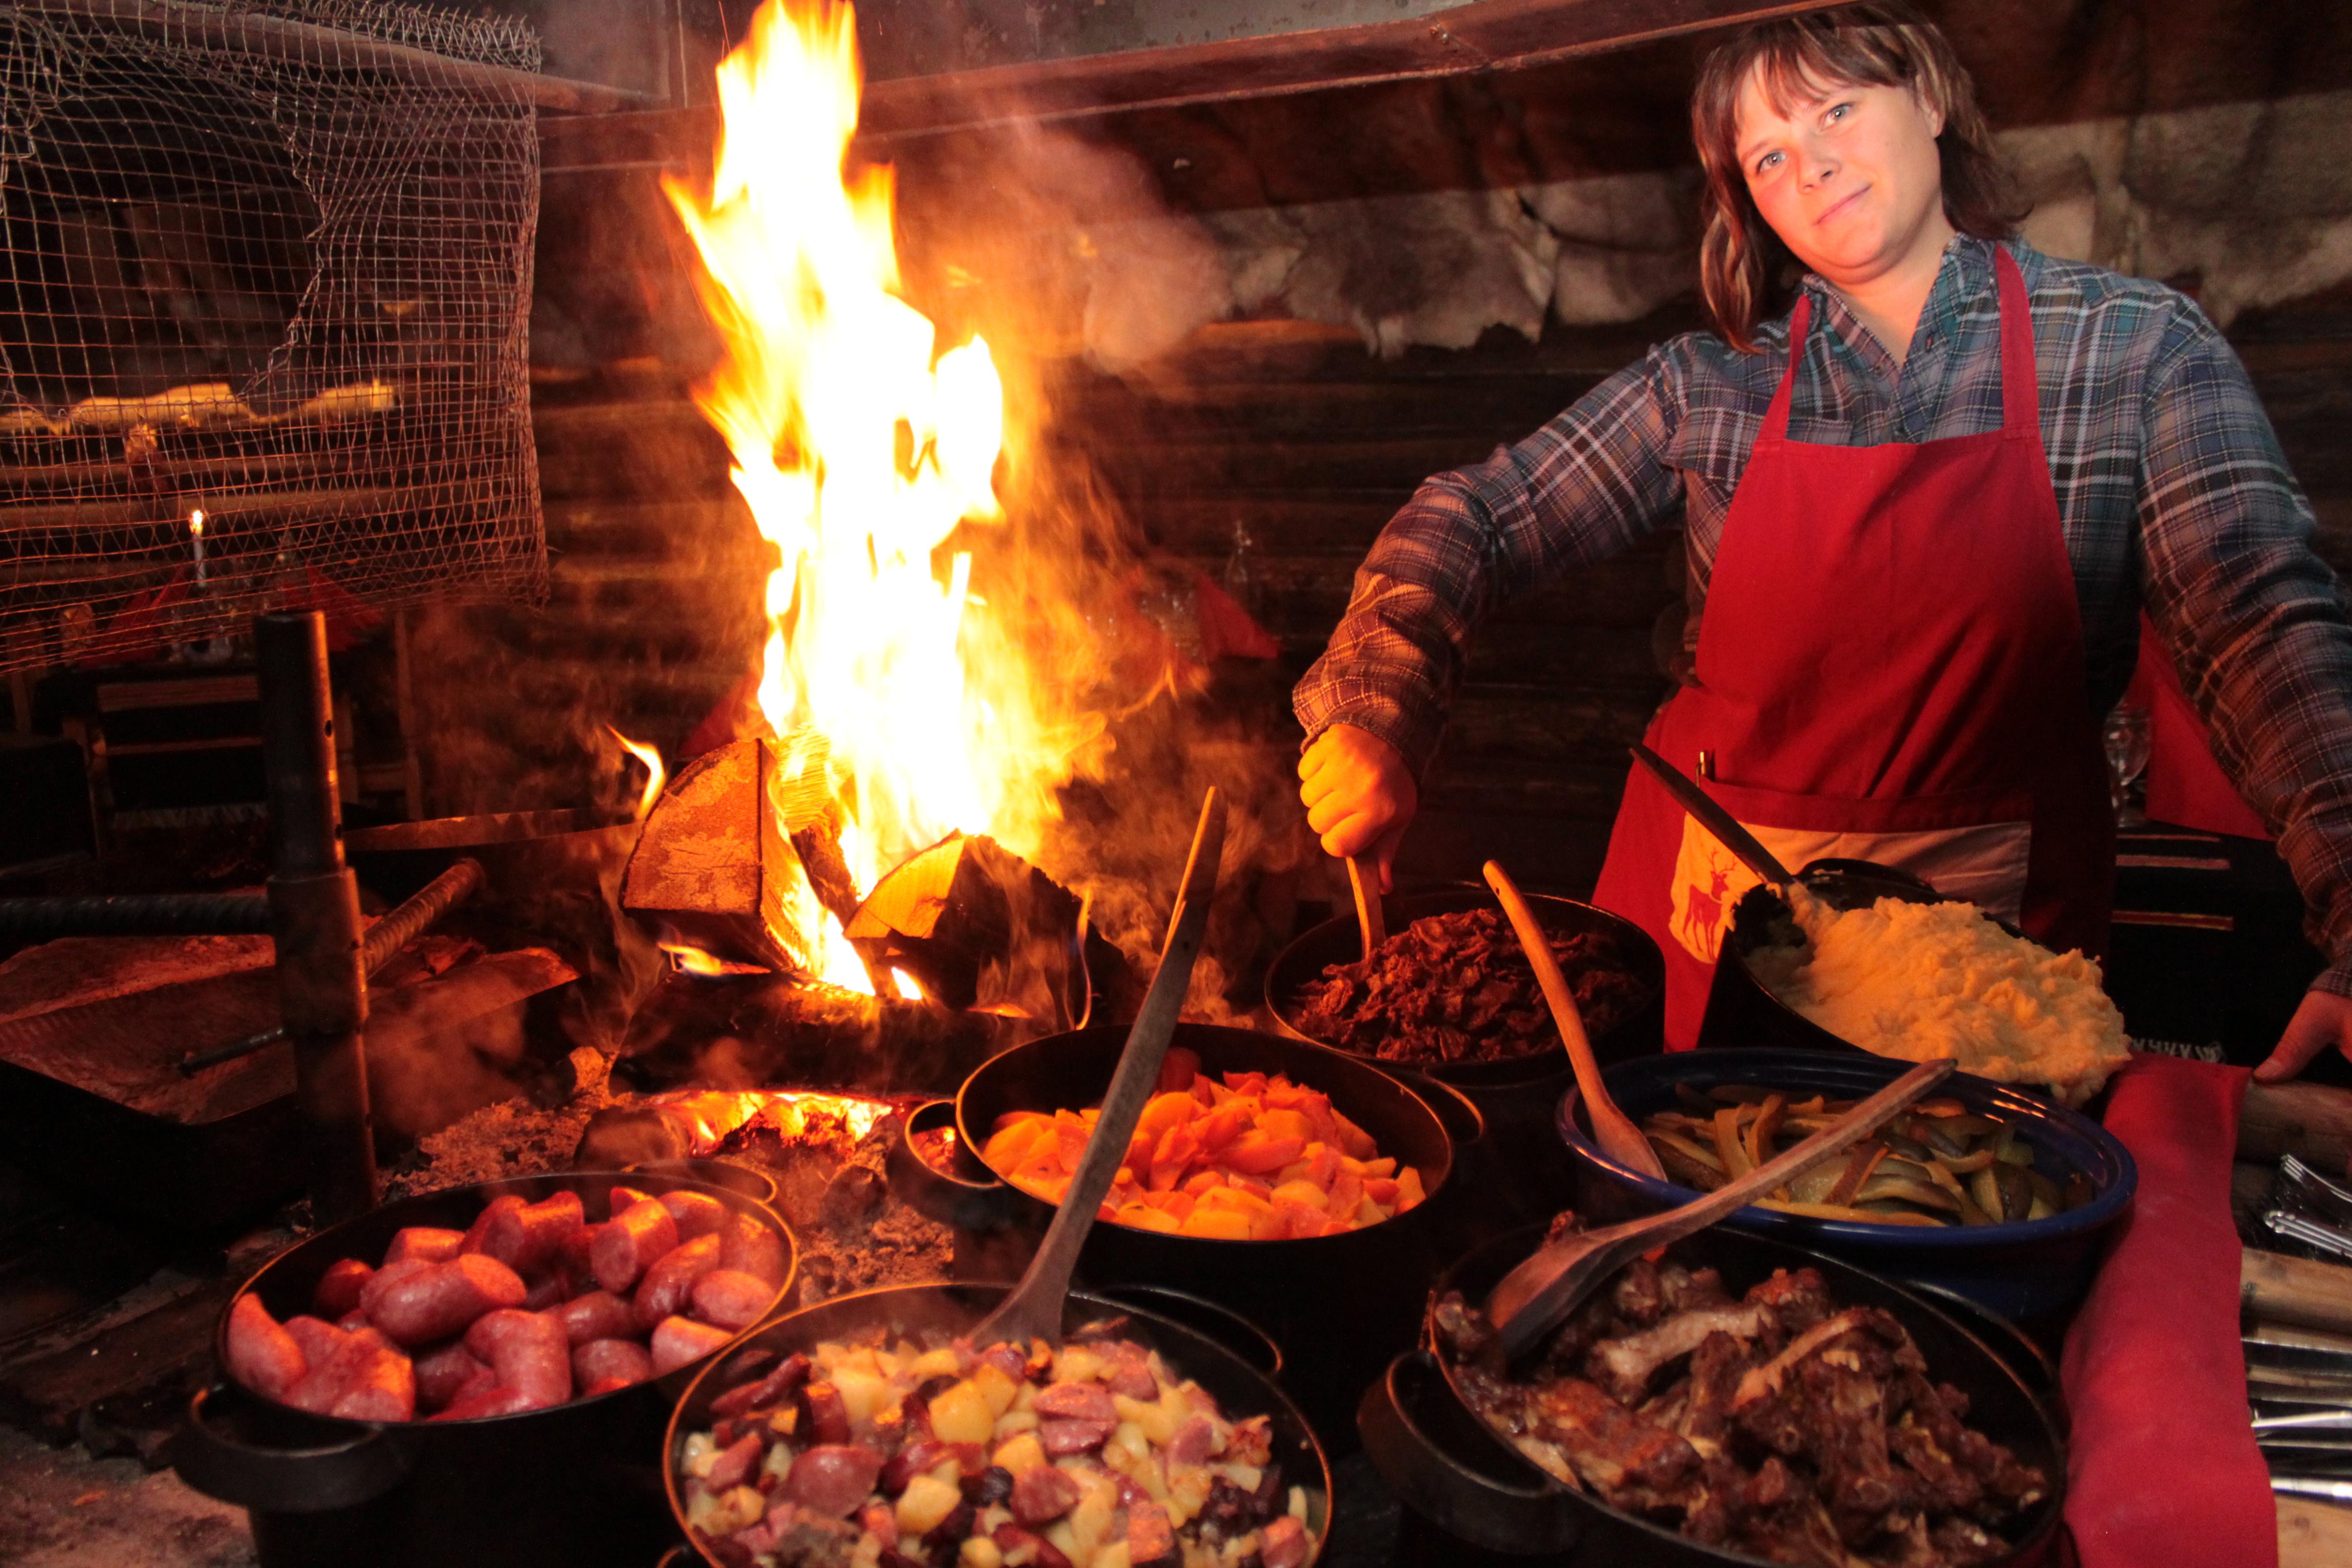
x: 860, y: 447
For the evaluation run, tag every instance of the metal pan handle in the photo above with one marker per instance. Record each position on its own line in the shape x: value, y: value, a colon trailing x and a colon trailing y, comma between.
x: 939, y: 1195
x: 1466, y: 1503
x: 344, y: 1470
x: 1463, y: 1120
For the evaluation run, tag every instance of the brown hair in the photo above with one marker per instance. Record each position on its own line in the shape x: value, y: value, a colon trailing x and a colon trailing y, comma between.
x: 1885, y: 43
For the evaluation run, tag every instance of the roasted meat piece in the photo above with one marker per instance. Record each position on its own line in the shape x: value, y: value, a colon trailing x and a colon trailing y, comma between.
x: 1458, y: 988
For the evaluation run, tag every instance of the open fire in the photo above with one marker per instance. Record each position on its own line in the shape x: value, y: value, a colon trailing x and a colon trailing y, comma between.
x: 906, y: 707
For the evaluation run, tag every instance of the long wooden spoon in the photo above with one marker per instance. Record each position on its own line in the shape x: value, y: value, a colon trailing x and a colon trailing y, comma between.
x: 1618, y: 1135
x: 1364, y: 879
x: 1033, y: 1310
x: 1536, y: 1296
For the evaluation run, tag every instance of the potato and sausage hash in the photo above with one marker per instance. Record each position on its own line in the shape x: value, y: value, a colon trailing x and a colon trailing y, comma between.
x: 887, y: 1452
x: 1250, y: 1158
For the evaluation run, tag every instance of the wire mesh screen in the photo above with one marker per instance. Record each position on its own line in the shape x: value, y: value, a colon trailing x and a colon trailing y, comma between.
x: 262, y: 336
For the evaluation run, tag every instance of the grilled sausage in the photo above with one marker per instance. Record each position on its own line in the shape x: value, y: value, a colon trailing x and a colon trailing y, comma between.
x: 495, y: 1400
x: 440, y: 1299
x: 379, y: 1385
x: 317, y: 1339
x: 677, y: 1341
x: 340, y: 1286
x: 261, y: 1354
x: 730, y: 1298
x: 613, y: 1361
x: 426, y: 1243
x: 747, y: 1246
x: 527, y: 1351
x: 832, y: 1478
x: 530, y: 1236
x: 598, y: 1315
x: 669, y: 1283
x: 443, y: 1375
x: 629, y: 1243
x: 697, y: 1213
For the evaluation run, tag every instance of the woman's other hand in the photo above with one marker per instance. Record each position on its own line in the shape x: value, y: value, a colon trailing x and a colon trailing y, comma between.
x: 1358, y: 794
x: 2323, y: 1020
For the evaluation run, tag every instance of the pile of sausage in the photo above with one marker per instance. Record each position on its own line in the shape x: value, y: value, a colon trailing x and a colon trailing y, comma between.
x: 529, y: 1307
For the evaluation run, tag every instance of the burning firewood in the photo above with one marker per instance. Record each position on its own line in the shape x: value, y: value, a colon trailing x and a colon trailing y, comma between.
x: 724, y: 862
x: 974, y: 925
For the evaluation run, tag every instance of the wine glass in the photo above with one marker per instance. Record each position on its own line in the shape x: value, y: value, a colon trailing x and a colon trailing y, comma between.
x: 2126, y: 737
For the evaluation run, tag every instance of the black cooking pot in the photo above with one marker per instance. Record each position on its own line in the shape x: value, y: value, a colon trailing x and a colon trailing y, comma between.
x: 1340, y: 941
x: 1517, y: 1175
x: 1739, y: 1010
x: 1240, y: 1390
x: 1338, y: 1306
x: 575, y: 1483
x: 1454, y: 1469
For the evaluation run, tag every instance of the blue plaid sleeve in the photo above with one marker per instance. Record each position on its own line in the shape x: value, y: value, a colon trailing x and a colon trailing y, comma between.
x: 2253, y: 619
x: 1590, y: 483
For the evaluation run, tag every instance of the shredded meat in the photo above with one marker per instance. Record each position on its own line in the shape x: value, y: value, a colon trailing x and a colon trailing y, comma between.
x: 1458, y: 988
x: 1775, y: 1425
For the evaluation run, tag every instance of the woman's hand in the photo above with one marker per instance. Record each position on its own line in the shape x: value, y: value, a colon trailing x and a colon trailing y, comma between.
x: 1360, y: 794
x: 2323, y: 1020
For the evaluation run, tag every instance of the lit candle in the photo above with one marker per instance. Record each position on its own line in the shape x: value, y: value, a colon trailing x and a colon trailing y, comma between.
x: 196, y: 532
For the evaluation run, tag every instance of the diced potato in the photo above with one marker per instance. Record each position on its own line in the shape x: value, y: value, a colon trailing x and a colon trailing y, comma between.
x: 1302, y: 1193
x: 1020, y: 1453
x: 1187, y: 1492
x: 1113, y: 1555
x: 1079, y: 1365
x: 927, y: 1501
x: 779, y: 1462
x: 940, y: 1363
x: 1090, y: 1523
x: 1298, y: 1504
x: 1151, y: 1418
x: 1409, y: 1192
x: 1014, y: 1421
x: 994, y: 1387
x: 1065, y: 1540
x: 1129, y: 1453
x: 979, y: 1552
x: 697, y: 1454
x: 960, y: 1415
x: 1143, y: 1216
x: 864, y: 1395
x: 740, y: 1506
x: 1216, y: 1224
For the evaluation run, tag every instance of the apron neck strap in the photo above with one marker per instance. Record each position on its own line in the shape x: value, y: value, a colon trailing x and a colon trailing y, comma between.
x: 2021, y: 400
x: 2019, y: 396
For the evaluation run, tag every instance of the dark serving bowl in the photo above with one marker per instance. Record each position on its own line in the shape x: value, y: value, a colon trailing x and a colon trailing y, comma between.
x: 1241, y: 1389
x: 1340, y: 941
x: 573, y: 1483
x: 2027, y: 1270
x: 1338, y: 1306
x: 1457, y: 1471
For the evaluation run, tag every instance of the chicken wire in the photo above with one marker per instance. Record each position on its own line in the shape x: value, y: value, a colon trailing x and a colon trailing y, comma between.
x: 279, y: 276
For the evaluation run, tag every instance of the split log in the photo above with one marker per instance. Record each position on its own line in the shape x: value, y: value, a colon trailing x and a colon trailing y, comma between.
x: 717, y: 862
x: 2296, y: 1290
x: 2310, y: 1120
x: 975, y: 926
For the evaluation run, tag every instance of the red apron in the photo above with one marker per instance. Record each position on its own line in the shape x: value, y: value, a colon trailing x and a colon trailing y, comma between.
x: 2186, y: 787
x: 1890, y: 667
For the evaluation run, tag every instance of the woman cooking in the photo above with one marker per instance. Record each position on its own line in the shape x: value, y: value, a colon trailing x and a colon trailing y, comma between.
x: 1923, y: 510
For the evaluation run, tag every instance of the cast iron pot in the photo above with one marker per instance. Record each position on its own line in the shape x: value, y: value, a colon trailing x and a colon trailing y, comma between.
x: 1340, y: 941
x: 1240, y: 1389
x: 2033, y: 1271
x: 1739, y: 1010
x: 1457, y: 1471
x: 1338, y: 1306
x: 558, y: 1486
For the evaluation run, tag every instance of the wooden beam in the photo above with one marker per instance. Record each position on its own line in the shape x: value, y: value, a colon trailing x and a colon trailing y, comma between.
x: 333, y: 49
x: 1485, y: 35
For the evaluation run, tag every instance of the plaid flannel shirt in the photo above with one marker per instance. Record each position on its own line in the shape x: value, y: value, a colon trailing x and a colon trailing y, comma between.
x: 2172, y: 494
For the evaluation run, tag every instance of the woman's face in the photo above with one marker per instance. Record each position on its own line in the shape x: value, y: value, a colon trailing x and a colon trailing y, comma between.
x: 1848, y: 177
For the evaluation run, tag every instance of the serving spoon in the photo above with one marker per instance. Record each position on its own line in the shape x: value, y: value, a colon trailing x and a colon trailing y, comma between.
x: 1539, y: 1295
x: 1364, y: 880
x: 1034, y: 1309
x: 1618, y: 1135
x: 1711, y: 816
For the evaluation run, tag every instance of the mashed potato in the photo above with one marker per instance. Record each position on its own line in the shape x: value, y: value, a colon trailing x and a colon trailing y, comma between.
x: 1922, y: 981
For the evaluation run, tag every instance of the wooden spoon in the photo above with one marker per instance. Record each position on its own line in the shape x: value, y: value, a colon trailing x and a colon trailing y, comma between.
x: 1539, y: 1295
x: 1618, y: 1135
x: 1033, y: 1310
x: 1365, y: 880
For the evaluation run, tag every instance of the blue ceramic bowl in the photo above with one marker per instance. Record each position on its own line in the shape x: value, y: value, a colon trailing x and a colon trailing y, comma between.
x: 2031, y: 1271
